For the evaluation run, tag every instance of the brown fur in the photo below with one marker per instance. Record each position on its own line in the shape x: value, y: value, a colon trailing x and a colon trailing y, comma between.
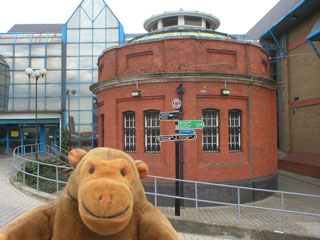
x: 103, y: 200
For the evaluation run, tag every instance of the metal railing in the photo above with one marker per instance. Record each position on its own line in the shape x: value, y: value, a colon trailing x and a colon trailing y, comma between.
x: 24, y: 158
x: 24, y: 155
x: 238, y: 203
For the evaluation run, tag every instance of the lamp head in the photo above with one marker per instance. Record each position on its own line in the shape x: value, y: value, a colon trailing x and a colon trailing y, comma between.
x: 28, y: 71
x: 43, y: 72
x: 36, y: 73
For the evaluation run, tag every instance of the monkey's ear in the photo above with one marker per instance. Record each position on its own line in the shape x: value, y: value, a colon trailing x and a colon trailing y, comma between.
x: 75, y: 156
x: 142, y: 167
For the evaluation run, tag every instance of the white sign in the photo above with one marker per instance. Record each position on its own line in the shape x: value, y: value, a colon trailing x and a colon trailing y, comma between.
x: 176, y: 103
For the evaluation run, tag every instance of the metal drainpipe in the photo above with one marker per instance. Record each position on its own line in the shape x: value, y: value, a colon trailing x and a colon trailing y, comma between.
x: 180, y: 91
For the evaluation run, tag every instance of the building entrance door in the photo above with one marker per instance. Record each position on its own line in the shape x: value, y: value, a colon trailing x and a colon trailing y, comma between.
x: 51, y: 135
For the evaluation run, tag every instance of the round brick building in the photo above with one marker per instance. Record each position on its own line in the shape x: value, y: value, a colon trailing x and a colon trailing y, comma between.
x: 219, y: 79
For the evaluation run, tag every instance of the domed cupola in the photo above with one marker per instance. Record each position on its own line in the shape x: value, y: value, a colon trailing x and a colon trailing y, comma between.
x: 181, y: 19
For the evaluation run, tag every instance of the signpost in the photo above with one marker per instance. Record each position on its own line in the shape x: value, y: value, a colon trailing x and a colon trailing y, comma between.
x: 187, y: 132
x: 184, y: 131
x: 177, y: 137
x: 169, y: 116
x: 190, y: 124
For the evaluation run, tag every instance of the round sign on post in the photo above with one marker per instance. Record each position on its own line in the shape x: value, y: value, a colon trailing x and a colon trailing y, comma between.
x: 176, y: 103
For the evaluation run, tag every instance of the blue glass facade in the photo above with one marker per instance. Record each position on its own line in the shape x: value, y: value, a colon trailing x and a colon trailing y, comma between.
x: 70, y: 57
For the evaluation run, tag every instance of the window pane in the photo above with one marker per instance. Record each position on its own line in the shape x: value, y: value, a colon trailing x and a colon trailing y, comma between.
x: 86, y: 76
x: 54, y: 49
x: 6, y: 50
x: 74, y: 21
x: 21, y: 50
x: 74, y: 117
x: 85, y: 35
x: 112, y: 35
x: 170, y: 21
x: 53, y: 104
x: 86, y: 131
x: 53, y: 77
x: 99, y: 35
x: 85, y: 117
x: 210, y: 136
x: 73, y: 35
x: 152, y: 131
x: 111, y: 19
x: 100, y: 22
x: 20, y: 104
x: 86, y: 103
x: 235, y: 131
x: 191, y: 20
x: 38, y: 50
x: 129, y: 132
x: 72, y: 49
x: 37, y: 63
x: 72, y: 62
x: 21, y: 77
x: 21, y: 63
x: 72, y: 76
x: 21, y: 90
x: 53, y: 90
x: 54, y: 63
x: 84, y: 90
x: 86, y: 63
x: 98, y: 48
x: 86, y: 49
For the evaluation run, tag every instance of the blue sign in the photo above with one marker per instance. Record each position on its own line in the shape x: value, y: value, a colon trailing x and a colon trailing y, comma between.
x: 187, y: 132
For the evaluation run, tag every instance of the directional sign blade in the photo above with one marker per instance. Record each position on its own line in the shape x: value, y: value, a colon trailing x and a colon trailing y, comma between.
x: 187, y: 137
x: 168, y: 116
x: 187, y: 132
x: 166, y: 138
x: 190, y: 124
x: 177, y: 137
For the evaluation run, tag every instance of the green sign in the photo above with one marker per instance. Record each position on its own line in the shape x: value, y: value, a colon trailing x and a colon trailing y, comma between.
x: 190, y: 124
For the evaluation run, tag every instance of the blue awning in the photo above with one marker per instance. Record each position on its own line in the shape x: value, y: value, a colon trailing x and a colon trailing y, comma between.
x: 29, y: 121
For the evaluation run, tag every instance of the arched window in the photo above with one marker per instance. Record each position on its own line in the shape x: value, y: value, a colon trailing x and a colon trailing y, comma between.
x: 210, y: 136
x: 129, y: 129
x: 235, y: 130
x: 151, y: 131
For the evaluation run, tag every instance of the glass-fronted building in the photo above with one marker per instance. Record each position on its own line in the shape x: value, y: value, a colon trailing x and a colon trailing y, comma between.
x: 69, y: 53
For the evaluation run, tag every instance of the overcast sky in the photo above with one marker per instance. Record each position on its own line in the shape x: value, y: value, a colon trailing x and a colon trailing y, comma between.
x: 236, y: 16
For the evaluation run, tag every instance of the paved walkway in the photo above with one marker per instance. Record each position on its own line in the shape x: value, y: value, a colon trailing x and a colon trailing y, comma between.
x: 13, y: 203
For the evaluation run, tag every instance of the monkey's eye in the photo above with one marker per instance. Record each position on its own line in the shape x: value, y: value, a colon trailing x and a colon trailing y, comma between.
x: 123, y: 173
x: 91, y: 170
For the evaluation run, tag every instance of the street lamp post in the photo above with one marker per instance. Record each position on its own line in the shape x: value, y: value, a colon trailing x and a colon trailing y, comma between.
x: 73, y: 92
x: 36, y: 74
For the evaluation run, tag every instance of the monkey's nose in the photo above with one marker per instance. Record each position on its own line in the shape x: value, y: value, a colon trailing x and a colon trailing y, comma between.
x: 105, y: 199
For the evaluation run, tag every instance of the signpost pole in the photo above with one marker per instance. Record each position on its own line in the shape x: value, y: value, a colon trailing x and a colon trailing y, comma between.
x: 177, y: 201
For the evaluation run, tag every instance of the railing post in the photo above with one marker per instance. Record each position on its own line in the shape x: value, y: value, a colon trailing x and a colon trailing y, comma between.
x: 38, y: 174
x: 155, y: 192
x: 239, y: 212
x: 196, y: 198
x: 24, y: 171
x: 282, y: 213
x: 57, y: 179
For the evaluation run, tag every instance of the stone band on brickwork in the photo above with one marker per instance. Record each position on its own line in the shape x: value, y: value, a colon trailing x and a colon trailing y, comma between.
x: 183, y: 77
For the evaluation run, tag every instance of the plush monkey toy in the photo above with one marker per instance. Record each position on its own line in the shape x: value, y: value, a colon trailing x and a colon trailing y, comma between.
x: 103, y: 200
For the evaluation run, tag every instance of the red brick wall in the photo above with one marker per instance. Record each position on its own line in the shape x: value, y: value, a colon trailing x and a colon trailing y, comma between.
x: 222, y: 166
x: 193, y: 56
x: 184, y: 55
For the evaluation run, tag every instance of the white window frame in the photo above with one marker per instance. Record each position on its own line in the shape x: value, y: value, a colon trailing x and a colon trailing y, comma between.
x: 151, y: 131
x: 210, y: 136
x: 235, y: 130
x: 129, y: 131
